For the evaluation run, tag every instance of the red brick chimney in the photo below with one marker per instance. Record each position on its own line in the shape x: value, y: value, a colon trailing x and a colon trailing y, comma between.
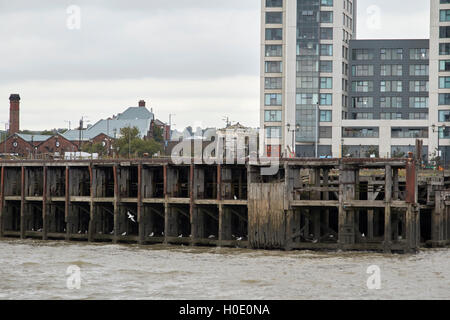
x: 14, y: 112
x: 142, y: 103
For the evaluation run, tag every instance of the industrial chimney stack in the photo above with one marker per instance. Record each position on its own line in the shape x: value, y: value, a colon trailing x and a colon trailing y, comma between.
x: 14, y: 112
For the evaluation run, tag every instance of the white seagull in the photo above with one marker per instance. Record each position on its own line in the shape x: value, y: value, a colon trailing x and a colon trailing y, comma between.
x: 152, y: 234
x: 235, y: 198
x: 180, y: 236
x: 131, y: 217
x: 211, y: 237
x: 124, y: 234
x: 239, y: 239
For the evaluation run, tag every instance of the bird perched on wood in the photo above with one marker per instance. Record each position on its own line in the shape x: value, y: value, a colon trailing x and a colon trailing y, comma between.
x: 239, y: 239
x: 131, y: 217
x: 180, y: 236
x: 211, y: 237
x: 235, y: 198
x: 152, y: 234
x: 124, y: 234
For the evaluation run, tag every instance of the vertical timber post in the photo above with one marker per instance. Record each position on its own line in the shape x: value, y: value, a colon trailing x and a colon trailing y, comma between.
x: 116, y: 204
x: 22, y: 203
x: 2, y: 200
x: 140, y: 213
x: 67, y: 205
x: 91, y: 204
x: 44, y: 205
x: 387, y: 209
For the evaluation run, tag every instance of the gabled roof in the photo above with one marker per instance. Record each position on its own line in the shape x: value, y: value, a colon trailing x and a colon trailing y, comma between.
x: 134, y: 113
x: 33, y: 137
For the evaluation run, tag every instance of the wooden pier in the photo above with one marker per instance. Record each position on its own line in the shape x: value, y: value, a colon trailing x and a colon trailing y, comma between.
x: 327, y: 204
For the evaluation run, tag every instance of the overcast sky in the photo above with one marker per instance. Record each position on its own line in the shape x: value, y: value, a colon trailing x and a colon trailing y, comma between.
x: 197, y: 59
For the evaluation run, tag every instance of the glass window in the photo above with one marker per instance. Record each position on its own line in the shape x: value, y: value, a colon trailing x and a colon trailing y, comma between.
x: 419, y: 70
x: 274, y: 66
x: 418, y: 102
x: 273, y: 132
x: 325, y: 115
x: 418, y: 54
x: 274, y: 17
x: 274, y: 51
x: 444, y: 82
x: 326, y: 99
x: 326, y: 66
x: 326, y: 16
x: 326, y: 33
x: 444, y: 116
x: 444, y: 65
x: 272, y: 116
x: 273, y: 99
x: 273, y: 83
x: 326, y: 83
x: 274, y: 3
x: 362, y: 102
x: 418, y: 86
x: 362, y: 86
x: 274, y: 34
x: 326, y: 49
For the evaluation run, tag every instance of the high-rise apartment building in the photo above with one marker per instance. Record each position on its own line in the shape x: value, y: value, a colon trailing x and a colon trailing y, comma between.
x: 305, y: 70
x: 439, y: 121
x: 325, y: 93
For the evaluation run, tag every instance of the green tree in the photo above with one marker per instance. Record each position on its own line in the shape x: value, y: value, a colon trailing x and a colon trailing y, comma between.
x: 130, y: 144
x: 158, y: 134
x: 95, y: 148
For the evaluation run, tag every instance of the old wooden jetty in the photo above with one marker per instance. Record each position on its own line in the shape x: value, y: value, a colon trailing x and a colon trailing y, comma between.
x: 349, y: 204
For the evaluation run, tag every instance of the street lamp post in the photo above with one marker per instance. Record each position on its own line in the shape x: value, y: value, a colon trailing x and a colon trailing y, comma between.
x: 297, y: 129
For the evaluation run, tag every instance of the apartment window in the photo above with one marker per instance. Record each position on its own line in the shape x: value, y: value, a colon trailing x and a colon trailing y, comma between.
x: 272, y: 116
x: 326, y: 3
x: 362, y: 70
x: 364, y: 116
x: 444, y: 99
x: 418, y: 70
x: 391, y: 86
x: 390, y: 116
x: 418, y: 102
x: 418, y: 86
x: 409, y: 133
x: 274, y: 66
x: 274, y: 34
x: 273, y: 132
x: 326, y: 16
x: 418, y: 116
x: 306, y: 99
x: 362, y: 54
x: 391, y: 102
x: 274, y: 17
x: 326, y: 99
x: 326, y: 83
x: 326, y: 66
x: 360, y: 132
x: 326, y: 49
x: 444, y: 32
x: 273, y: 99
x: 305, y: 65
x: 362, y: 86
x: 391, y: 70
x: 418, y: 54
x: 391, y: 54
x: 362, y: 102
x: 326, y: 33
x: 325, y: 115
x: 444, y: 49
x: 444, y: 15
x: 274, y: 3
x: 274, y: 51
x: 444, y: 65
x: 444, y: 116
x: 444, y: 82
x: 307, y: 83
x: 273, y: 83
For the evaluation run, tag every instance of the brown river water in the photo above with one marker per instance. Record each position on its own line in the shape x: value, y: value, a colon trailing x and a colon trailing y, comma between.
x: 37, y: 270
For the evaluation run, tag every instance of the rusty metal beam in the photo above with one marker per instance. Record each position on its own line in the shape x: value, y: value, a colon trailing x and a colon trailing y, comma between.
x: 22, y: 203
x: 140, y: 219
